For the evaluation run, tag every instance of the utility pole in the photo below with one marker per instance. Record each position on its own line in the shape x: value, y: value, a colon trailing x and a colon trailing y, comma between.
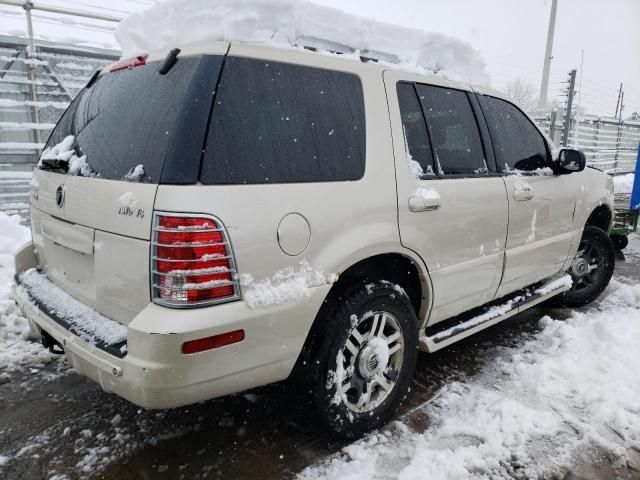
x: 618, y: 101
x: 621, y: 104
x: 548, y: 55
x: 567, y: 115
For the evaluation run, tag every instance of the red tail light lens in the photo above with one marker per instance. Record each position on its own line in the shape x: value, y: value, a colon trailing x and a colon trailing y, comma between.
x: 192, y: 263
x: 125, y: 63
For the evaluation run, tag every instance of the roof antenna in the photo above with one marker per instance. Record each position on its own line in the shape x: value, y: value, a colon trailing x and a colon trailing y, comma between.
x: 169, y: 61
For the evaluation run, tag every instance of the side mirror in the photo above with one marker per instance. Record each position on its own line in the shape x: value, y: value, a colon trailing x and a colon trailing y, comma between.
x: 571, y: 160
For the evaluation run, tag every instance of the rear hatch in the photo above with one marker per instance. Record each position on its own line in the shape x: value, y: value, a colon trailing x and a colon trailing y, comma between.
x: 94, y: 189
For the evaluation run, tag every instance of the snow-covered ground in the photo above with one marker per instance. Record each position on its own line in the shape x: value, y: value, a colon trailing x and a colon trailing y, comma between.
x: 541, y: 407
x: 17, y: 354
x: 623, y: 183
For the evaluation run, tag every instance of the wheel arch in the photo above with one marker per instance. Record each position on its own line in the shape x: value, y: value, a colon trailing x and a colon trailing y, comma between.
x: 601, y: 217
x: 395, y: 267
x: 403, y: 269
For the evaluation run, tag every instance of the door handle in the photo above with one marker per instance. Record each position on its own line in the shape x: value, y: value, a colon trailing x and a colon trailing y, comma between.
x: 523, y: 193
x: 424, y: 201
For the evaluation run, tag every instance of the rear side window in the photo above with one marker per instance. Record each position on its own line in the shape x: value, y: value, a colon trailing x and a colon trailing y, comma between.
x: 137, y: 117
x: 453, y: 130
x: 417, y: 145
x: 516, y: 141
x: 279, y: 123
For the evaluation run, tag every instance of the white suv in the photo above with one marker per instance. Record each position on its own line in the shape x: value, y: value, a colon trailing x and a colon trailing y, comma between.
x: 228, y: 216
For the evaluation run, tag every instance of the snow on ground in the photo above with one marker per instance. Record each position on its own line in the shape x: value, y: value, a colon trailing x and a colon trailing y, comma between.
x: 17, y: 354
x: 623, y: 183
x: 176, y: 23
x: 571, y: 389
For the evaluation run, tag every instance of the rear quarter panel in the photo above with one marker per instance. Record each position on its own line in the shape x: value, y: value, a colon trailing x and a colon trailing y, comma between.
x: 348, y: 220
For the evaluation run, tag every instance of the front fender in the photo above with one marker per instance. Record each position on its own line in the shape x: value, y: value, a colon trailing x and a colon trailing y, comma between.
x: 596, y: 190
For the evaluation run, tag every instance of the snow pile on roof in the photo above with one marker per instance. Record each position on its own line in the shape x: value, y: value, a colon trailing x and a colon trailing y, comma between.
x: 176, y: 23
x: 573, y: 389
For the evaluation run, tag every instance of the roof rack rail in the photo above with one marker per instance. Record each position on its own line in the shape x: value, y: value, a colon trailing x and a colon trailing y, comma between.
x: 314, y: 44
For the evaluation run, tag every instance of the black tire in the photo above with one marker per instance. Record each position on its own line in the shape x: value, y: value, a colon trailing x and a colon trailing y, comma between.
x: 597, y: 250
x: 620, y: 242
x: 338, y: 322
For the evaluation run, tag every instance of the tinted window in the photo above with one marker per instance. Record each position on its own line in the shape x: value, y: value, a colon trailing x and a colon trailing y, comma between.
x: 516, y: 142
x: 417, y: 146
x: 453, y: 130
x: 277, y: 123
x: 137, y: 117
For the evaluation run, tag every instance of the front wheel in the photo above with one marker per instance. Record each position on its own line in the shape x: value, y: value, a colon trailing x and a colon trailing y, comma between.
x: 591, y: 269
x: 620, y: 242
x: 364, y: 358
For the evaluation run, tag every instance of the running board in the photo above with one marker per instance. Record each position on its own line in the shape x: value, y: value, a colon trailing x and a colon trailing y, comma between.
x: 450, y: 331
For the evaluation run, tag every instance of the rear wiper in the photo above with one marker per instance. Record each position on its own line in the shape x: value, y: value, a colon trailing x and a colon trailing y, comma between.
x: 54, y: 164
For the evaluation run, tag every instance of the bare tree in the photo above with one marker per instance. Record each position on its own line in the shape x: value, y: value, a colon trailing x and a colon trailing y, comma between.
x: 523, y: 92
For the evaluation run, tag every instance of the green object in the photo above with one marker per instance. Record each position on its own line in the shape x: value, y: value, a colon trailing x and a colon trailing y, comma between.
x: 625, y: 222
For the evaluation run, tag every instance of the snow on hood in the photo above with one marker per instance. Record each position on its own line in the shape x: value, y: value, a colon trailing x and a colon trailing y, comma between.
x: 176, y: 23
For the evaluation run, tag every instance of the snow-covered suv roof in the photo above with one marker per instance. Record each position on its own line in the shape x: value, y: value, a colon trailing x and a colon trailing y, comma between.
x: 299, y: 24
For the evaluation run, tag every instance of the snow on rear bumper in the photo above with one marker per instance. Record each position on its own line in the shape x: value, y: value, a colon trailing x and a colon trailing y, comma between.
x: 75, y: 317
x: 155, y: 374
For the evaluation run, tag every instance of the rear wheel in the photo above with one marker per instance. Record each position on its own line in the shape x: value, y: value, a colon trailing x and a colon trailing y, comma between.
x: 591, y: 269
x: 364, y: 358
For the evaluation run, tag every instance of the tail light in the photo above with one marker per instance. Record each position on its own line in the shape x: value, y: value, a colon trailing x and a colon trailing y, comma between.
x: 192, y: 264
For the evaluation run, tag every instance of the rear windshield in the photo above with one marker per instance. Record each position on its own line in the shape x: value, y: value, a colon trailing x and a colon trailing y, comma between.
x: 126, y: 124
x: 275, y: 122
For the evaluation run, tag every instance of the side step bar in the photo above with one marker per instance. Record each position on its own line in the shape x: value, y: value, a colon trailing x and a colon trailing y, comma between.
x: 450, y: 331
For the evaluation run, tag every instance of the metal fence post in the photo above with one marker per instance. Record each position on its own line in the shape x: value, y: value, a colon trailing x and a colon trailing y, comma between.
x: 567, y: 116
x: 634, y: 203
x: 616, y: 155
x: 552, y: 124
x: 31, y: 70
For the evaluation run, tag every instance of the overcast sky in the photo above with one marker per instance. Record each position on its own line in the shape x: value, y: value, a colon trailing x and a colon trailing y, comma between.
x: 509, y: 34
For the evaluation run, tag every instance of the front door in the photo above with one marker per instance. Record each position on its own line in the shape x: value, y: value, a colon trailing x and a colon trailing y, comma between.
x: 452, y: 209
x: 541, y: 204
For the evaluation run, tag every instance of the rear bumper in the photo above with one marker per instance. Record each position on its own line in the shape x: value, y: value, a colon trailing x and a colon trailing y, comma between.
x: 155, y: 374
